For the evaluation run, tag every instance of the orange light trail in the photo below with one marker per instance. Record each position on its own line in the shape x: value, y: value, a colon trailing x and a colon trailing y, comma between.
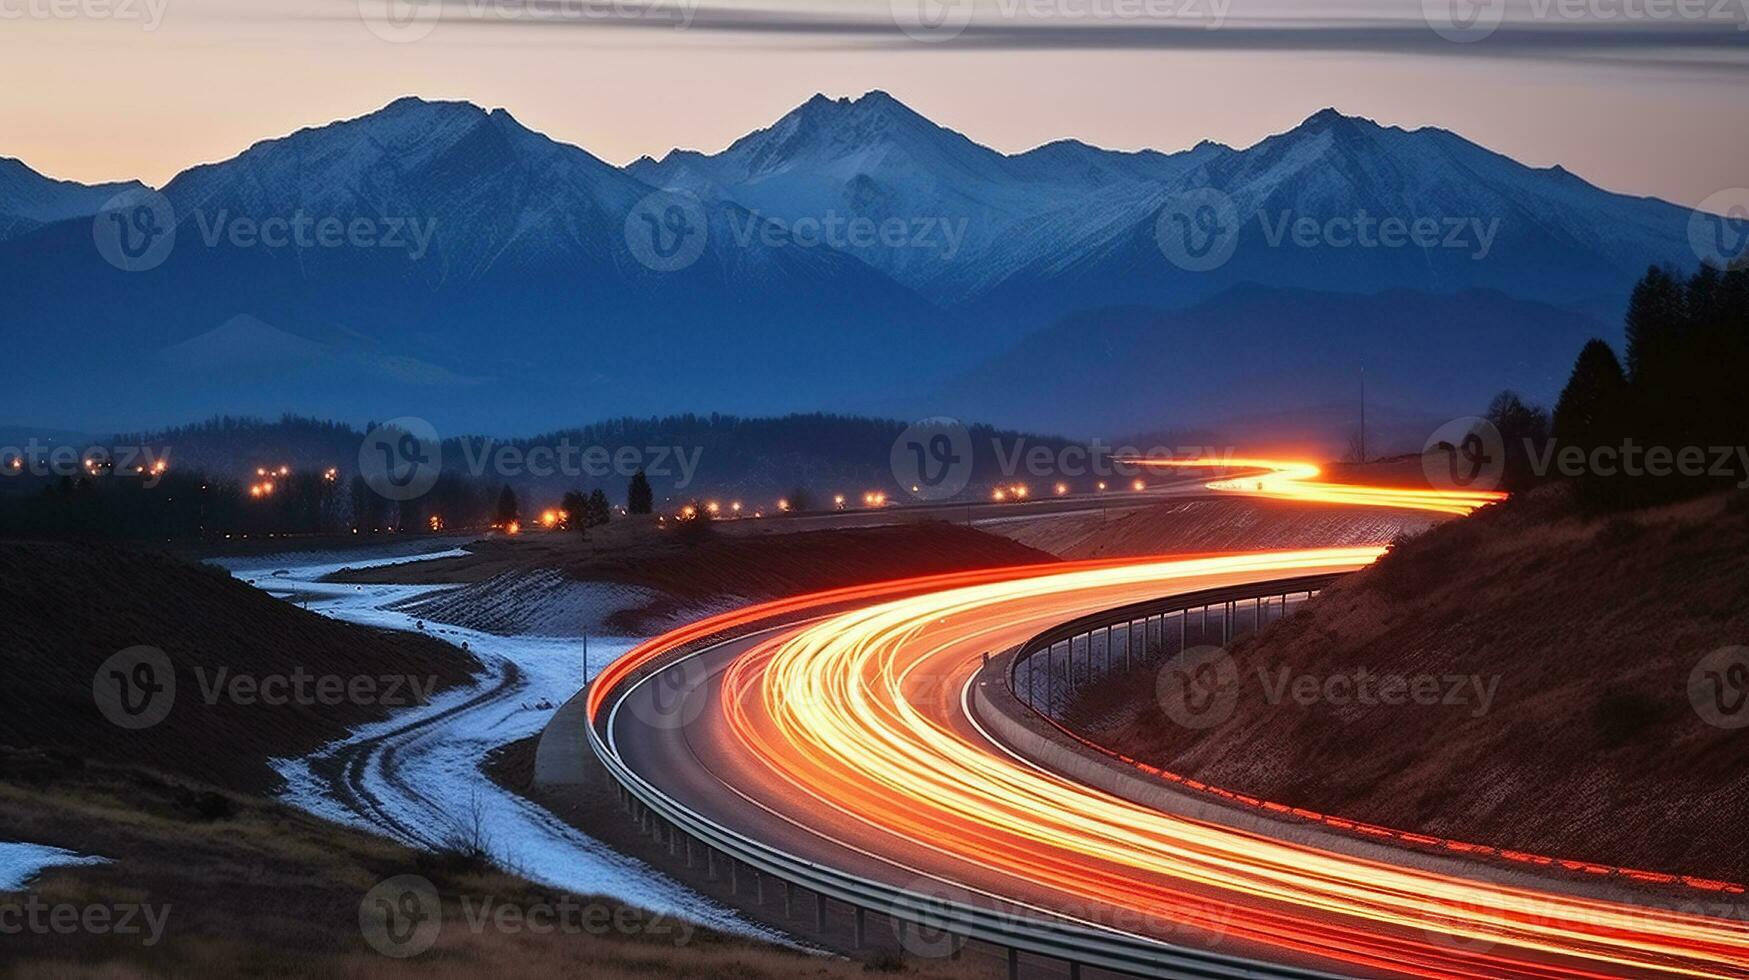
x: 854, y: 717
x: 1287, y: 480
x: 853, y: 712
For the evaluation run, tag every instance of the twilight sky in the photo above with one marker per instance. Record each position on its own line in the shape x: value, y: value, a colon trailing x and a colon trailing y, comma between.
x: 1639, y: 96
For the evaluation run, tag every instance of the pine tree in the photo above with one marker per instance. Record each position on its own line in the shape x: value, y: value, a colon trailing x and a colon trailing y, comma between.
x: 599, y: 511
x: 640, y: 499
x: 1590, y: 410
x: 576, y: 510
x: 508, y: 511
x: 1593, y: 412
x: 1654, y: 325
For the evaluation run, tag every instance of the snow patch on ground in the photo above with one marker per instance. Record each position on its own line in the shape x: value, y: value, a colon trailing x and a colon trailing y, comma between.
x: 316, y: 564
x: 20, y: 863
x: 542, y: 602
x: 423, y: 780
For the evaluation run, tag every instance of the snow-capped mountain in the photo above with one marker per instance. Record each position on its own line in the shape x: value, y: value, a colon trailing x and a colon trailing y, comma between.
x: 1068, y: 226
x: 28, y: 200
x: 492, y: 255
x: 1299, y: 202
x: 942, y: 214
x: 854, y: 254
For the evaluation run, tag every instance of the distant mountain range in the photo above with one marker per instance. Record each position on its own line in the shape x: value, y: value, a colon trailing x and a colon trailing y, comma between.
x: 441, y: 260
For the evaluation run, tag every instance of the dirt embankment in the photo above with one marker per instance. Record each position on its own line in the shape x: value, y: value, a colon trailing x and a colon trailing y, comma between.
x: 682, y: 573
x: 68, y: 608
x: 1587, y: 632
x: 232, y: 886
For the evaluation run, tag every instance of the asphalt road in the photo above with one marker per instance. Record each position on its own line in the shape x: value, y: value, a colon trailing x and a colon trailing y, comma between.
x: 848, y: 742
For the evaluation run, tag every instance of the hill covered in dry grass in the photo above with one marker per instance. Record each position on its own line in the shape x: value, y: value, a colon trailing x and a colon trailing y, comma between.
x: 1587, y: 629
x: 68, y: 608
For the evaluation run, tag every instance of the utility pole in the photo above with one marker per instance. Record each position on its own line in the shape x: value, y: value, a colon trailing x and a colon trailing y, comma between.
x: 1363, y: 413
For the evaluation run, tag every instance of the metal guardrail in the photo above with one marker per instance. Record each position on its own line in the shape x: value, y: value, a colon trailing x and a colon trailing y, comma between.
x: 1151, y: 629
x: 1038, y: 933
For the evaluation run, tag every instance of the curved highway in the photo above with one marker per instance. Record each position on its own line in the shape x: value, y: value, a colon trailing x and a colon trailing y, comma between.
x: 846, y: 740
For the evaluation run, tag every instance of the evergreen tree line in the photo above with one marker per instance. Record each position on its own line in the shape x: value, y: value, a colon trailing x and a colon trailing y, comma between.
x: 1680, y: 394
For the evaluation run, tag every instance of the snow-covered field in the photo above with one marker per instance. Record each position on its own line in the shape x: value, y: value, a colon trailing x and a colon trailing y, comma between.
x: 416, y: 776
x: 19, y: 863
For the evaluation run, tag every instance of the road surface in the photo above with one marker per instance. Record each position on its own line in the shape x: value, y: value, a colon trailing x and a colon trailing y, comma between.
x: 848, y: 741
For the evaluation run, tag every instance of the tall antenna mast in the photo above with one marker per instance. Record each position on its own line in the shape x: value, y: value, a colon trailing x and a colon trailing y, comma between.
x: 1363, y: 414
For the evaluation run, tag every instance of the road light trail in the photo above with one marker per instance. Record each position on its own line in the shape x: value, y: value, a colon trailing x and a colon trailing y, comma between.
x: 850, y: 715
x: 1288, y: 480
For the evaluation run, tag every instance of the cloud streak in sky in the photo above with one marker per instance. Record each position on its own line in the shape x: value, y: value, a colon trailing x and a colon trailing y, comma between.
x: 1535, y: 29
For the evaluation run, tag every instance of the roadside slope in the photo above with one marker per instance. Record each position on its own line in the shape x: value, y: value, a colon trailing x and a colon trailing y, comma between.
x: 69, y: 607
x: 1588, y: 747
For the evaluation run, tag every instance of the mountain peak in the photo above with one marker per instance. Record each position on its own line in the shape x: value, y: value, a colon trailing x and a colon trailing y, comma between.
x: 1333, y: 121
x: 857, y: 133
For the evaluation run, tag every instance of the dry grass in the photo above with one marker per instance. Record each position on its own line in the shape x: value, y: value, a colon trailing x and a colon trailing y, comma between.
x: 69, y: 607
x: 270, y: 891
x: 1590, y: 749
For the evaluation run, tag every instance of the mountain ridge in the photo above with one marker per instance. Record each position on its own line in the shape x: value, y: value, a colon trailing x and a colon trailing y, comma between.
x: 854, y: 254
